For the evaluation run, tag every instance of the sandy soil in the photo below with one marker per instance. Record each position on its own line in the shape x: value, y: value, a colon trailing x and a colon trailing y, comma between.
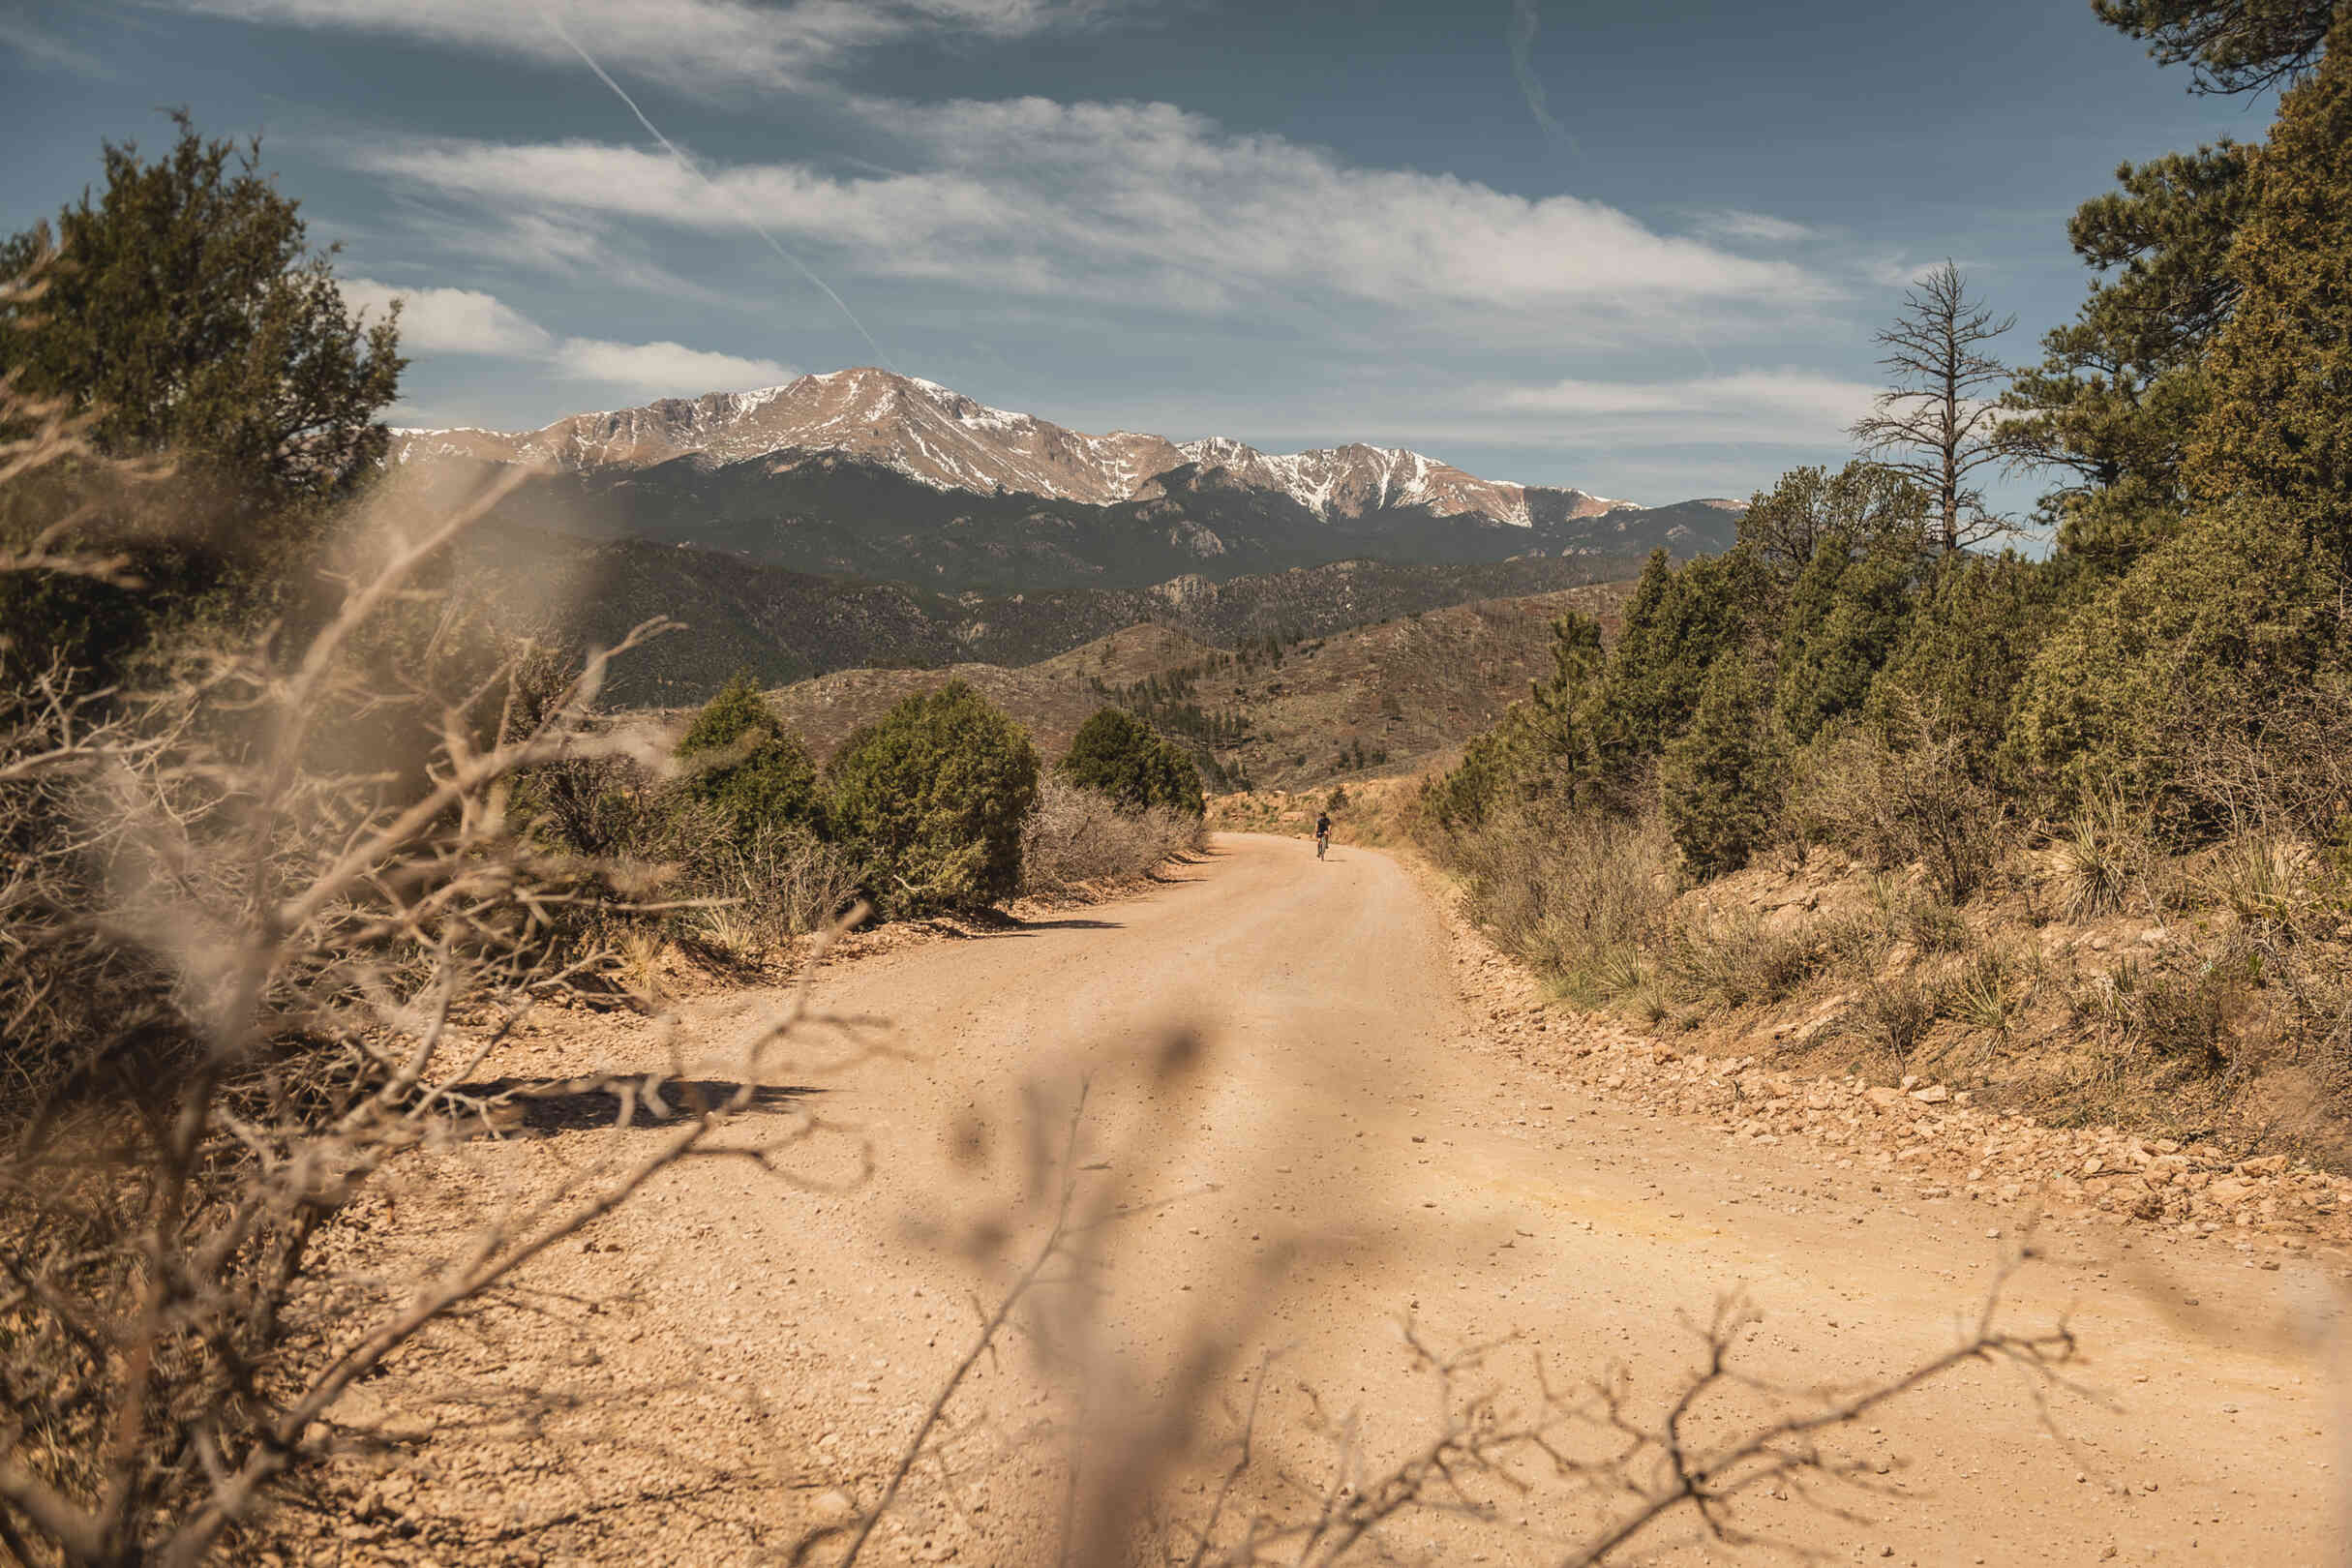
x: 739, y: 1356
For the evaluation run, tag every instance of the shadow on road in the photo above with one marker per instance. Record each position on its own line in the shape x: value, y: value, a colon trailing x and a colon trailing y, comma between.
x: 989, y: 924
x: 576, y: 1104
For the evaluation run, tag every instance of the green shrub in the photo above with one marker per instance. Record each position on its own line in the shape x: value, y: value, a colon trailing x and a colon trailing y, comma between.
x: 931, y: 799
x: 1117, y: 754
x: 1720, y: 782
x: 2207, y: 634
x: 743, y: 762
x: 1964, y: 648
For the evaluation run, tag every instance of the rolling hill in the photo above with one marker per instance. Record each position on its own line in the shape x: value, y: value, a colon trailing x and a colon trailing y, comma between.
x: 1376, y: 698
x: 784, y: 625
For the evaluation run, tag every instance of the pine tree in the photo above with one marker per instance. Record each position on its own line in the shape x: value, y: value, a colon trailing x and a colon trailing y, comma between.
x: 1844, y: 616
x: 1970, y: 634
x: 2121, y: 387
x: 1117, y: 754
x: 1677, y: 625
x: 2233, y: 45
x: 1722, y: 782
x: 2280, y: 425
x: 185, y: 315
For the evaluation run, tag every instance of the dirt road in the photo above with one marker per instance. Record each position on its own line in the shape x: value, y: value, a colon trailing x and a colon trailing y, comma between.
x: 1347, y: 1151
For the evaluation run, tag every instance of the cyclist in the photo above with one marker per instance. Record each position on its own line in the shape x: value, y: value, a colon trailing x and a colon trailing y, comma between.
x: 1322, y: 833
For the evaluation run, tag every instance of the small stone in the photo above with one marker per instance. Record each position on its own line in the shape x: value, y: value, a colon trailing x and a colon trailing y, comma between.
x: 834, y: 1507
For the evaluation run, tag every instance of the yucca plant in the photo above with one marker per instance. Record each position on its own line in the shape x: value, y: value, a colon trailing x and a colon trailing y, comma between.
x: 2091, y: 862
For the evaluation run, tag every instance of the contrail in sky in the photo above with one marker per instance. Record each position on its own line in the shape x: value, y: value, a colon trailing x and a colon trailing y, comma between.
x: 1526, y: 22
x: 548, y: 16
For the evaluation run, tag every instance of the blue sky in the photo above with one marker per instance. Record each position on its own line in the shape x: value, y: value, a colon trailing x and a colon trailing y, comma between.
x: 1637, y: 246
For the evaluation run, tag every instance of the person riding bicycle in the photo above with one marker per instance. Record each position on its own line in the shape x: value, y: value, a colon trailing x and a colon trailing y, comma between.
x: 1322, y: 832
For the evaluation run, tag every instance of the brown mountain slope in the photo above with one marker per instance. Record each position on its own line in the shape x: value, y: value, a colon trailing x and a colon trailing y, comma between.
x: 1384, y: 698
x: 1378, y: 698
x: 1052, y: 698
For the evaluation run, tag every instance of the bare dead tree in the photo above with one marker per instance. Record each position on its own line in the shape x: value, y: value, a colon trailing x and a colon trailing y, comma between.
x: 1936, y: 425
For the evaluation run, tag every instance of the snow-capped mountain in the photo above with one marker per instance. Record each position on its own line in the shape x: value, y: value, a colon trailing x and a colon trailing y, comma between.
x: 942, y: 439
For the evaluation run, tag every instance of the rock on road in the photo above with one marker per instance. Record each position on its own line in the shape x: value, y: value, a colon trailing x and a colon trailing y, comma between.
x: 1347, y: 1152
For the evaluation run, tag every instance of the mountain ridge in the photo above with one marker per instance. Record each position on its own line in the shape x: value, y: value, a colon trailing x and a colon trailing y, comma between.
x: 945, y: 439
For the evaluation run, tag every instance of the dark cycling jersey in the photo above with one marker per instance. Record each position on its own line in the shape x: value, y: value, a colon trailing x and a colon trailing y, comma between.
x: 1322, y: 826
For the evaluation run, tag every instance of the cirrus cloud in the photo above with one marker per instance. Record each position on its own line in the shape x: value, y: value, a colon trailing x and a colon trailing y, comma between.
x: 1768, y: 406
x: 1138, y: 203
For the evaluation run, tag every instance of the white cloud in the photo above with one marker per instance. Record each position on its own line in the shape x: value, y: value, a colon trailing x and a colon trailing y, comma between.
x: 1766, y: 407
x: 1739, y: 226
x: 451, y: 320
x: 1140, y: 204
x: 664, y: 369
x: 676, y: 40
x: 467, y: 321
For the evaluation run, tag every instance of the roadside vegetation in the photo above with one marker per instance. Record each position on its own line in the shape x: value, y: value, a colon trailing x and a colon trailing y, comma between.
x: 2077, y: 829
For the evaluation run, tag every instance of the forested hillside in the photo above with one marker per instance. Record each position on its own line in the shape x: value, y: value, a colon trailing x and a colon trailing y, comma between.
x: 1274, y: 710
x: 2154, y: 721
x: 782, y: 627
